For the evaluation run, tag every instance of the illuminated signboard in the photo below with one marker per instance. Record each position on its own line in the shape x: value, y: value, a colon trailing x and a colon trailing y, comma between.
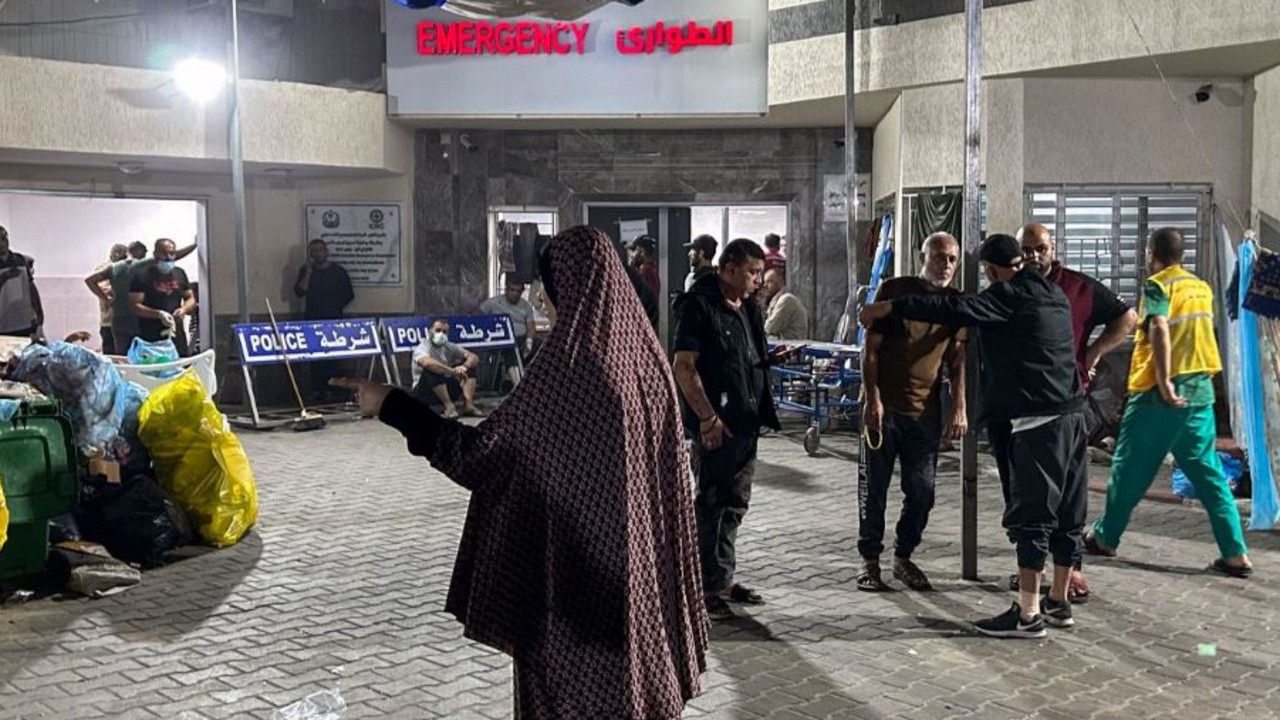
x: 677, y: 57
x: 562, y: 38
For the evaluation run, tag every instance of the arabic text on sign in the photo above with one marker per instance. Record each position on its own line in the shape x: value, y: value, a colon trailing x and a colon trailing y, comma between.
x: 501, y: 38
x: 675, y: 38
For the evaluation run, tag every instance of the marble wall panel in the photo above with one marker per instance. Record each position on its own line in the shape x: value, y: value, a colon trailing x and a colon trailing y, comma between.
x: 456, y: 186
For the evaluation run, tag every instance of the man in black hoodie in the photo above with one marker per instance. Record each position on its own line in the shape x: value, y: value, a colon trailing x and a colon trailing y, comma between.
x: 721, y: 366
x: 1029, y: 379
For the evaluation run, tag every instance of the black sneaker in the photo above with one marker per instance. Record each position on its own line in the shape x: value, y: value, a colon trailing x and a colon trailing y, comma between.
x: 1010, y: 624
x: 1056, y: 613
x: 718, y: 609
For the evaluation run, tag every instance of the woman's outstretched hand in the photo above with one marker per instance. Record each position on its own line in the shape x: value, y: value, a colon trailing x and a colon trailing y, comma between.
x: 369, y: 395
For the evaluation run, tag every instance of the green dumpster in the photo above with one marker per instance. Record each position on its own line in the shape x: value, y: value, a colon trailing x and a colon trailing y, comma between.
x: 38, y: 464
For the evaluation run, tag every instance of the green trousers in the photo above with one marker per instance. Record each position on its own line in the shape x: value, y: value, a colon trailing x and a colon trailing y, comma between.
x: 1149, y: 431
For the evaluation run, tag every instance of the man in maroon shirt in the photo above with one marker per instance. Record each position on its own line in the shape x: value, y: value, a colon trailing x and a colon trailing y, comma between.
x: 644, y: 254
x: 1092, y: 305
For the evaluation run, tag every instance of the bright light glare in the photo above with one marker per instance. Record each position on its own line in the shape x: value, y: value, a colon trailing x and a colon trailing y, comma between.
x: 200, y: 80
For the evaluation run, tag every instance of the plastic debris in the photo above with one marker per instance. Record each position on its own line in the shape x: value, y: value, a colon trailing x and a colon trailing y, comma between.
x: 323, y: 705
x: 1207, y: 649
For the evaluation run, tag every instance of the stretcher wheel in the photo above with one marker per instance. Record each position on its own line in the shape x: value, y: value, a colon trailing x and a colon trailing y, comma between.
x: 812, y: 440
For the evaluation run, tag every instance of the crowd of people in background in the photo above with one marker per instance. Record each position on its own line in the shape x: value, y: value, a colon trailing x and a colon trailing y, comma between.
x: 703, y: 410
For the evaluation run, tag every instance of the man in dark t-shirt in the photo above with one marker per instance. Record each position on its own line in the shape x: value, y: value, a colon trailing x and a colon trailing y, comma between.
x: 21, y: 313
x: 326, y: 291
x: 162, y: 297
x: 721, y: 366
x: 902, y: 371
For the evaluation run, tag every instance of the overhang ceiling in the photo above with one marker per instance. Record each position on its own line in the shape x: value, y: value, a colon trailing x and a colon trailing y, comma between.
x: 152, y: 165
x: 826, y: 112
x: 1234, y: 62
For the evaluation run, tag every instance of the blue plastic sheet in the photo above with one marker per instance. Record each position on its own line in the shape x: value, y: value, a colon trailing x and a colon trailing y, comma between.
x: 9, y: 408
x: 142, y: 352
x: 1232, y: 467
x: 90, y: 390
x: 1266, y: 506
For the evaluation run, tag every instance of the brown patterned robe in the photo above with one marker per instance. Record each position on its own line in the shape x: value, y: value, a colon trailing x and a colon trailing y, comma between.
x: 579, y: 557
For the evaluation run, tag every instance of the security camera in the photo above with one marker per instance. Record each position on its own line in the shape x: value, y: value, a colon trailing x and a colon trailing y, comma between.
x: 1203, y: 93
x: 465, y: 141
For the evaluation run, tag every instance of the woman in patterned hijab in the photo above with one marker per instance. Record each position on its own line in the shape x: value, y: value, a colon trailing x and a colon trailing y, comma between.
x: 578, y: 557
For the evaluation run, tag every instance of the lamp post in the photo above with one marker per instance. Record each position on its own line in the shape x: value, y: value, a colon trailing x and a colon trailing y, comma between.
x: 202, y: 81
x: 236, y: 151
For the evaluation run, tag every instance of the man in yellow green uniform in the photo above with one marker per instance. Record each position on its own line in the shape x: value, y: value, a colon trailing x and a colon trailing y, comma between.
x: 1170, y: 407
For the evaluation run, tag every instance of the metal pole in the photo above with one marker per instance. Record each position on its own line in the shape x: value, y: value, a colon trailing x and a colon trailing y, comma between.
x: 236, y: 151
x: 972, y: 238
x: 850, y: 147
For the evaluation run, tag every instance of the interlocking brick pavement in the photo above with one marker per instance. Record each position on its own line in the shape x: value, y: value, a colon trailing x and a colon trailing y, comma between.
x: 342, y: 585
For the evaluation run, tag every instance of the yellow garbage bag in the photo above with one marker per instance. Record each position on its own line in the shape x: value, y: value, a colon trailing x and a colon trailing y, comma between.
x: 4, y: 516
x: 198, y: 460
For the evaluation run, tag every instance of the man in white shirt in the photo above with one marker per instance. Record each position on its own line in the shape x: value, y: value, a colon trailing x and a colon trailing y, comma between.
x: 786, y: 317
x: 445, y: 370
x: 523, y: 322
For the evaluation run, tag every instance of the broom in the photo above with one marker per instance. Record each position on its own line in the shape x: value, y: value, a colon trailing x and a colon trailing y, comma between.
x: 307, y: 420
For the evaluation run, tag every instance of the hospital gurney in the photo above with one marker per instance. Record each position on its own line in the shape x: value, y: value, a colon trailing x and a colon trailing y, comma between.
x: 822, y: 384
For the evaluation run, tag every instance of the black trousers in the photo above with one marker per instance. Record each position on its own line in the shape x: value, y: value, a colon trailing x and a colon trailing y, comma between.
x: 1044, y: 474
x: 913, y: 442
x: 724, y: 477
x: 108, y: 340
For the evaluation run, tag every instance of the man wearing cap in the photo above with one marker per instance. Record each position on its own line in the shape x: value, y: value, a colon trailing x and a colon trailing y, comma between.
x: 1029, y: 380
x: 702, y: 251
x: 644, y: 251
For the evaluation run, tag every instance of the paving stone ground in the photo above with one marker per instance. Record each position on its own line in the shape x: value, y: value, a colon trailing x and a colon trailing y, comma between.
x: 342, y: 584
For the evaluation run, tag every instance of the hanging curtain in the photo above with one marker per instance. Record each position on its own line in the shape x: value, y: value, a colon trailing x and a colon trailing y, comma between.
x: 939, y: 212
x: 936, y: 212
x: 507, y: 246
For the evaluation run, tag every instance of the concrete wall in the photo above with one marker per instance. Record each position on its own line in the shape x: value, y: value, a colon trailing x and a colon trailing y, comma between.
x: 70, y: 236
x: 276, y: 241
x: 1083, y: 32
x: 886, y: 168
x: 454, y: 189
x: 1078, y: 131
x: 130, y: 113
x: 1266, y: 144
x: 1129, y: 131
x: 320, y: 41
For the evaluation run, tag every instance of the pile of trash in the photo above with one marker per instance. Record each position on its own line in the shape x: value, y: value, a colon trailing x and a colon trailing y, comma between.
x: 155, y: 470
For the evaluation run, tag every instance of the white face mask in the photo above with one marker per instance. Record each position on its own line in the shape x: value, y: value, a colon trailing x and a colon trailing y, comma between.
x: 439, y: 338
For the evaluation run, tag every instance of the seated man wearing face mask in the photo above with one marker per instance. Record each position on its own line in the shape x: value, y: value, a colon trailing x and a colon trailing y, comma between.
x: 444, y: 370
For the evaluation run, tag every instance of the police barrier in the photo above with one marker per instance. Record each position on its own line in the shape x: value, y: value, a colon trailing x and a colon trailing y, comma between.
x: 303, y: 342
x: 473, y: 332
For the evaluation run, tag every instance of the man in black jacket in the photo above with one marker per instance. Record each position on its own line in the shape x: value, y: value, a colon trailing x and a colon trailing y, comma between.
x: 1029, y: 380
x: 721, y: 365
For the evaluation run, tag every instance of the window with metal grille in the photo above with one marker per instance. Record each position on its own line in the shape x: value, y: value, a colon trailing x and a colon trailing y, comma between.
x: 1102, y: 231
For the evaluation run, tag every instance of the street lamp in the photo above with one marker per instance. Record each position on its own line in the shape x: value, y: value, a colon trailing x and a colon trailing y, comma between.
x: 202, y: 81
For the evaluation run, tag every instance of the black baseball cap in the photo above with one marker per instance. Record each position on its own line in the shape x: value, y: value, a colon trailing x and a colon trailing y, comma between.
x: 703, y: 243
x: 1001, y: 250
x: 644, y: 242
